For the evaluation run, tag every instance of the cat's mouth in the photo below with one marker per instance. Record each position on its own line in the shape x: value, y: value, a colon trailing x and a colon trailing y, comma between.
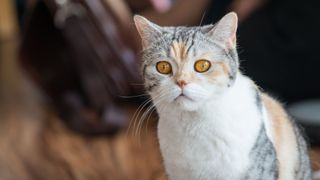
x: 182, y: 97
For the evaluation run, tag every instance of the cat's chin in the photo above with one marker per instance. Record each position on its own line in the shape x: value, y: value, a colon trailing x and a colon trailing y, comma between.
x: 186, y: 103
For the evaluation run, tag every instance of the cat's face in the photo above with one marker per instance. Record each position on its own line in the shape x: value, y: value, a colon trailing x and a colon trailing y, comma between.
x: 187, y: 66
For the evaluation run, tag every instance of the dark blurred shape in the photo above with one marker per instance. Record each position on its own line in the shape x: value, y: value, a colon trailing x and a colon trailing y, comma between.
x: 79, y: 55
x: 21, y: 7
x: 279, y: 46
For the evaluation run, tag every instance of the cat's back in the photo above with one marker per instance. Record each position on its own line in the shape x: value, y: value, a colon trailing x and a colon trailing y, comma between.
x: 290, y: 146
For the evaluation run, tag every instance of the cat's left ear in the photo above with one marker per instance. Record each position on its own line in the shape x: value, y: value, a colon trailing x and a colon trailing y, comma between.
x: 225, y: 30
x: 148, y: 31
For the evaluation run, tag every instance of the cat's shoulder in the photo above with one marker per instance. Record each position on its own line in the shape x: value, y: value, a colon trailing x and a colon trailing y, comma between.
x: 284, y: 137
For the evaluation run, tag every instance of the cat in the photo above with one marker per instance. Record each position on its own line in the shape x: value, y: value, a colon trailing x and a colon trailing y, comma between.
x: 214, y: 122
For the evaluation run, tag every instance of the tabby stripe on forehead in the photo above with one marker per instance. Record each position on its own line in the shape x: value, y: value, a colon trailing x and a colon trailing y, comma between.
x: 187, y: 51
x: 192, y: 42
x: 174, y: 34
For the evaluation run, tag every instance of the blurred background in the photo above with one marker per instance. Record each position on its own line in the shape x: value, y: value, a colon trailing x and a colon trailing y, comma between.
x: 71, y: 95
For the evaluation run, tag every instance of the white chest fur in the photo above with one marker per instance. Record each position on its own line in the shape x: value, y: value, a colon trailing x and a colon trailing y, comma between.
x: 215, y: 142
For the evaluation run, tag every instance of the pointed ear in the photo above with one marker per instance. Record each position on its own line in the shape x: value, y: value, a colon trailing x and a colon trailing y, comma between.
x: 225, y: 30
x: 148, y: 31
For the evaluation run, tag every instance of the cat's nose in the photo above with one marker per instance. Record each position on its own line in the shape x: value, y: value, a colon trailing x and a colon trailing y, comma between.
x: 181, y: 83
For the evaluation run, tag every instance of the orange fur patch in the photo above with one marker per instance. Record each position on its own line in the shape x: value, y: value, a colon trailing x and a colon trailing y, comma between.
x: 220, y: 70
x: 278, y: 118
x: 178, y: 51
x: 283, y: 137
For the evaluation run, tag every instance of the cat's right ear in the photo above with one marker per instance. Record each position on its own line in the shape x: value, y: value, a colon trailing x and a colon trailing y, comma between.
x: 148, y: 31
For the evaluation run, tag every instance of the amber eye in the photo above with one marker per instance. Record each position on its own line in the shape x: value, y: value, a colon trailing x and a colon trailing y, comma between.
x: 164, y: 67
x: 202, y: 65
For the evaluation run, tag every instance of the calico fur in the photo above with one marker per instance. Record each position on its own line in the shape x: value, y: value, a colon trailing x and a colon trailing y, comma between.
x: 220, y: 125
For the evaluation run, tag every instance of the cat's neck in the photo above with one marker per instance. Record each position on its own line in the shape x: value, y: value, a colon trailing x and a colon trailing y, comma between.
x: 230, y: 123
x: 239, y: 99
x: 236, y: 110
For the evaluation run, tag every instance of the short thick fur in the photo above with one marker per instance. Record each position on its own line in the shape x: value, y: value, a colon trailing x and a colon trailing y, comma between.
x: 219, y: 125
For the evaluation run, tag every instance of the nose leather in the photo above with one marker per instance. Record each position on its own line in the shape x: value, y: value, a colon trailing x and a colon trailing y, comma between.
x: 182, y: 83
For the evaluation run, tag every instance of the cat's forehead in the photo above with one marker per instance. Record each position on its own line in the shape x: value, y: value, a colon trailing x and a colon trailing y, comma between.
x: 184, y: 31
x: 180, y: 32
x: 184, y: 42
x: 181, y: 44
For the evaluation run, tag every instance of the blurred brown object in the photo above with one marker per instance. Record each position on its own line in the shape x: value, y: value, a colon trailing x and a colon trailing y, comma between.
x: 8, y: 21
x: 244, y: 8
x: 78, y: 53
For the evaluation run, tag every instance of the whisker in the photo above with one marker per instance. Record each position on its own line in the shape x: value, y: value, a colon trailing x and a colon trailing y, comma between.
x: 147, y: 121
x: 142, y: 120
x: 137, y: 112
x: 146, y: 129
x: 156, y: 101
x: 144, y: 116
x: 133, y: 96
x: 150, y: 109
x: 137, y: 84
x: 204, y: 13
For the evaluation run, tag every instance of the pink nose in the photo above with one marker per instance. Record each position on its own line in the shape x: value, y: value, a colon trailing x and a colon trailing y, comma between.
x: 181, y: 83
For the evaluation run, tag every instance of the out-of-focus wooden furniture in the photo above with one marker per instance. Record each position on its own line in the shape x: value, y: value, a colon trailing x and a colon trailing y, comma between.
x: 36, y: 145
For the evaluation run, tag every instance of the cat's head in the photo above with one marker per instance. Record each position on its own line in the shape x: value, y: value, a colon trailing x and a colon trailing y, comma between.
x: 187, y: 66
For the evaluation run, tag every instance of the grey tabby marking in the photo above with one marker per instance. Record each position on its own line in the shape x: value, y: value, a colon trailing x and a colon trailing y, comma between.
x: 259, y: 101
x: 159, y: 48
x: 157, y: 41
x: 303, y: 172
x: 264, y: 163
